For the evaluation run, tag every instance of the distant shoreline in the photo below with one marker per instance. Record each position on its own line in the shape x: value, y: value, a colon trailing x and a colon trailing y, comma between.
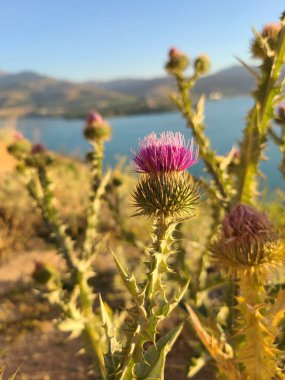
x: 80, y: 115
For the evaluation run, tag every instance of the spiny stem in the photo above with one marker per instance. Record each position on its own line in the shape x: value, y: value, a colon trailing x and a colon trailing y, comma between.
x: 50, y: 215
x: 81, y: 278
x: 95, y: 348
x: 92, y: 211
x: 153, y: 289
x: 207, y: 154
x: 258, y: 123
x: 257, y: 352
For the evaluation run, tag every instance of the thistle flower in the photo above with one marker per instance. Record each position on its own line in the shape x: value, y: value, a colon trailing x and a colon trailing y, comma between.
x: 247, y: 241
x: 96, y: 128
x: 174, y: 53
x: 166, y: 153
x: 38, y: 149
x: 246, y: 223
x: 269, y: 35
x: 271, y: 29
x: 177, y: 63
x: 165, y: 189
x: 39, y: 157
x: 18, y: 136
x: 94, y: 117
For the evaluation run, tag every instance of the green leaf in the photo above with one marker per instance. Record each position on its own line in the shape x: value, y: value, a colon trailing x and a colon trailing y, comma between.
x: 155, y: 357
x: 129, y: 281
x: 114, y: 345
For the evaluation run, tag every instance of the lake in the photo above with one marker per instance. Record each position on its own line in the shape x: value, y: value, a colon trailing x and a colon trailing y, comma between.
x: 225, y: 120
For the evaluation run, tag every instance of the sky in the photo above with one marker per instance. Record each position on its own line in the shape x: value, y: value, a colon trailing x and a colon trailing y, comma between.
x: 90, y: 39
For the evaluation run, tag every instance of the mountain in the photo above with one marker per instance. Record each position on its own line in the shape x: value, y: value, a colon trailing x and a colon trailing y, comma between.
x: 29, y: 93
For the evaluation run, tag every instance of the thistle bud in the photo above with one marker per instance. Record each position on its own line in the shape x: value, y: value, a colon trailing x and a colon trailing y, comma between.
x: 39, y: 157
x: 42, y: 272
x: 202, y: 65
x: 96, y: 128
x: 269, y: 35
x: 247, y: 241
x: 38, y: 149
x: 177, y: 63
x: 20, y: 148
x: 281, y: 113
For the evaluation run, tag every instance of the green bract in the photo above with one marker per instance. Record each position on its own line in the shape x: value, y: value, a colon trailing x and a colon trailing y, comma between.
x: 170, y: 194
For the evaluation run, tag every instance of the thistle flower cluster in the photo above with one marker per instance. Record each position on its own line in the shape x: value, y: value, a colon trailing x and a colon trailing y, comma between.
x: 31, y: 155
x: 165, y: 187
x: 96, y: 128
x: 247, y: 241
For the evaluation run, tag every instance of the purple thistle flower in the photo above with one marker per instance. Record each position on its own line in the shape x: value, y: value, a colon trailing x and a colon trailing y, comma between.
x: 18, y: 136
x: 166, y: 153
x: 94, y: 117
x: 38, y: 148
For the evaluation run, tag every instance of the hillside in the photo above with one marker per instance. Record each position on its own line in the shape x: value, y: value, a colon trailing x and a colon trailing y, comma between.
x: 29, y: 93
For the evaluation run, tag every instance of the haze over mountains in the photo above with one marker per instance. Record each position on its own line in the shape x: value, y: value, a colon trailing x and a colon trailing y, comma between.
x: 29, y: 93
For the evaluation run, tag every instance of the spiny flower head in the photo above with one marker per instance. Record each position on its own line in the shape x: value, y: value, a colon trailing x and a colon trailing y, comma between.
x: 20, y: 148
x: 202, y: 64
x: 246, y: 223
x: 247, y: 242
x: 174, y: 53
x: 39, y: 157
x: 173, y: 195
x: 177, y: 63
x: 94, y: 117
x: 269, y: 38
x: 271, y: 29
x: 166, y: 153
x: 96, y: 128
x: 38, y: 149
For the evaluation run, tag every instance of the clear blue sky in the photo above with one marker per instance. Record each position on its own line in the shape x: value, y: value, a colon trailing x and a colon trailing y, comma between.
x: 92, y: 39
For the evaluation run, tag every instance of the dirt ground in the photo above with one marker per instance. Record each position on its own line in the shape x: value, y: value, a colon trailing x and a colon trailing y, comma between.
x: 31, y: 341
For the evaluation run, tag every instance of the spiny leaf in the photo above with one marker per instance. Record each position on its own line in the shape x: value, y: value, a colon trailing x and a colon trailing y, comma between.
x: 216, y: 348
x: 154, y: 359
x: 247, y: 67
x: 278, y: 310
x: 129, y: 281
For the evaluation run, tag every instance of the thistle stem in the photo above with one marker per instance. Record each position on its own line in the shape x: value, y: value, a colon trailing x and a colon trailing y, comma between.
x: 95, y: 348
x: 50, y: 215
x: 257, y: 352
x: 92, y: 212
x: 259, y: 117
x: 154, y: 294
x: 197, y: 128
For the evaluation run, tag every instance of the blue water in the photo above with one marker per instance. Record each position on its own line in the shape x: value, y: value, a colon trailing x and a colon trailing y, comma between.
x: 225, y: 120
